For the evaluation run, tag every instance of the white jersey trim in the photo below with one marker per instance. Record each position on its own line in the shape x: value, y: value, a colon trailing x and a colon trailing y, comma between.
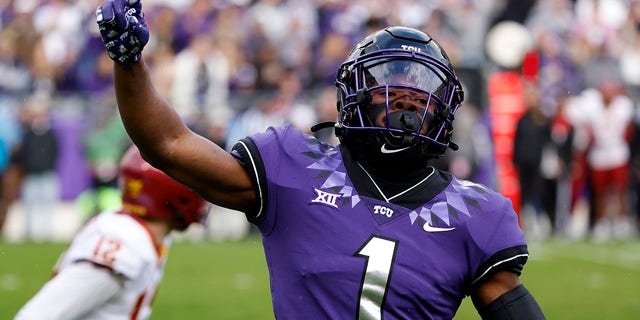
x: 255, y: 173
x: 497, y: 264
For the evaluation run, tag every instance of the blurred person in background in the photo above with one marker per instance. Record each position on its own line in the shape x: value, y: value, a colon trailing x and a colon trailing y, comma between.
x: 16, y: 79
x: 10, y: 172
x: 10, y: 181
x: 531, y: 140
x: 200, y: 87
x: 330, y: 55
x: 58, y: 23
x: 281, y: 34
x: 195, y: 17
x: 115, y: 264
x: 607, y: 114
x: 325, y: 110
x: 365, y: 229
x: 560, y: 164
x: 104, y: 144
x: 630, y: 51
x: 277, y: 107
x: 472, y: 133
x: 37, y: 155
x: 4, y: 158
x: 635, y: 168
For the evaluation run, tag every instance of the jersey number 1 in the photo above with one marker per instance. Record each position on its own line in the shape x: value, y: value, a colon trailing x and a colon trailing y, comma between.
x: 380, y: 254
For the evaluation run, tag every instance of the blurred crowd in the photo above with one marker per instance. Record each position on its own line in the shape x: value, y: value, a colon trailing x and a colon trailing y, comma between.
x: 233, y: 67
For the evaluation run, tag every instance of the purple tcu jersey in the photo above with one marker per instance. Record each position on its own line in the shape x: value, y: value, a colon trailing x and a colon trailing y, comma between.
x: 333, y: 253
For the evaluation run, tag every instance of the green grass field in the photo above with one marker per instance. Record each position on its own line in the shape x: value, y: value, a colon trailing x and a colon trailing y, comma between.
x: 230, y: 281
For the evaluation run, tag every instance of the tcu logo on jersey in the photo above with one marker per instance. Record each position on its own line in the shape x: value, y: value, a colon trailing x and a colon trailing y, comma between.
x: 327, y: 198
x: 383, y: 211
x: 410, y: 48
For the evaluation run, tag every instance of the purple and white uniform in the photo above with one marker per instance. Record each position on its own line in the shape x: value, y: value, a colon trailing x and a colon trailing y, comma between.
x: 335, y: 253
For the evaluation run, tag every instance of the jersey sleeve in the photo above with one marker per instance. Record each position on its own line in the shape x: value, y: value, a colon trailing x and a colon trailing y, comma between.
x: 499, y: 240
x: 72, y: 293
x: 247, y: 154
x: 118, y: 247
x: 263, y: 155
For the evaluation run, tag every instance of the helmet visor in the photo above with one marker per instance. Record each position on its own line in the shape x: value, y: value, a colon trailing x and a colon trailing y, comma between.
x: 406, y: 73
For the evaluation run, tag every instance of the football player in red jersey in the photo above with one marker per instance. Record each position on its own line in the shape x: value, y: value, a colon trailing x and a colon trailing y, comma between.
x: 115, y: 263
x: 363, y: 230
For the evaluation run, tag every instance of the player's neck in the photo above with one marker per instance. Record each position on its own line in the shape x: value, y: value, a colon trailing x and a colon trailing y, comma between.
x: 159, y: 229
x: 392, y: 178
x: 396, y: 188
x: 395, y: 173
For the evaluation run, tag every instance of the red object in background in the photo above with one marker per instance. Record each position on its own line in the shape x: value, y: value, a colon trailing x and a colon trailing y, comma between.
x: 530, y: 66
x: 506, y: 106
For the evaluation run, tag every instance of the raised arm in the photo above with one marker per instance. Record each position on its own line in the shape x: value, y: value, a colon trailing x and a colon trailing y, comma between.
x: 160, y: 134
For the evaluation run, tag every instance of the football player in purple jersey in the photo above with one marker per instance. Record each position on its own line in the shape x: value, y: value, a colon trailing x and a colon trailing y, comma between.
x: 362, y: 230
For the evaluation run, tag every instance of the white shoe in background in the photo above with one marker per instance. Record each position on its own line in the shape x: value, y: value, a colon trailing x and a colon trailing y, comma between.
x: 602, y: 231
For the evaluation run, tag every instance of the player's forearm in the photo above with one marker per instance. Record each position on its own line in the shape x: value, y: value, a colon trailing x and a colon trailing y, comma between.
x: 516, y: 304
x: 150, y: 122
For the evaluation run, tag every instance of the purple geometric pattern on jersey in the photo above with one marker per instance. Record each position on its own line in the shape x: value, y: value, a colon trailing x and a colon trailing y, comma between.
x: 439, y: 213
x: 453, y: 205
x: 328, y: 163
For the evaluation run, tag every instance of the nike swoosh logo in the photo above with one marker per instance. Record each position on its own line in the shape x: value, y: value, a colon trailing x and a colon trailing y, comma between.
x: 384, y: 149
x: 429, y: 228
